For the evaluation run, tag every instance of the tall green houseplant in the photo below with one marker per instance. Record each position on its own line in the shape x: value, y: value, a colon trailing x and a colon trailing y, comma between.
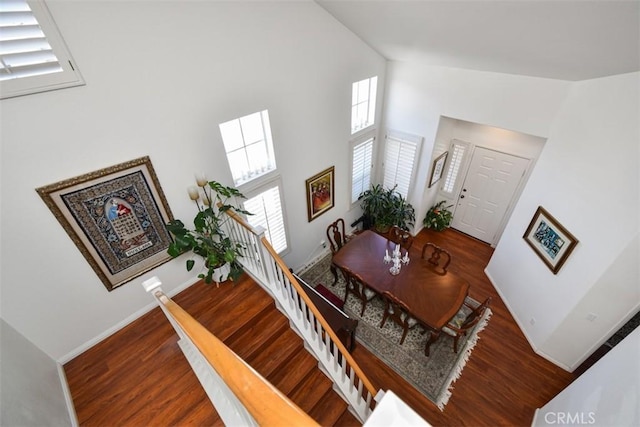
x: 386, y: 207
x: 209, y: 239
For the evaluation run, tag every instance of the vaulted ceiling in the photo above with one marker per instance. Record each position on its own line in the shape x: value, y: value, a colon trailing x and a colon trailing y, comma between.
x: 558, y: 39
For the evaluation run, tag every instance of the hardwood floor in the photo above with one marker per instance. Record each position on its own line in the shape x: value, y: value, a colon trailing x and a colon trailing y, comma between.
x: 139, y: 377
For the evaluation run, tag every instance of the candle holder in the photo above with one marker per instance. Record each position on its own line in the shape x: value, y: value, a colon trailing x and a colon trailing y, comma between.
x: 397, y: 258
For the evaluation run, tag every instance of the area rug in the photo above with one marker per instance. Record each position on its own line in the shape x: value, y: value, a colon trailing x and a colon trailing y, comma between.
x: 433, y: 376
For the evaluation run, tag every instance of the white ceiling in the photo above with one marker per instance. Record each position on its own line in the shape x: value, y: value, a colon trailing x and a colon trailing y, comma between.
x: 559, y: 39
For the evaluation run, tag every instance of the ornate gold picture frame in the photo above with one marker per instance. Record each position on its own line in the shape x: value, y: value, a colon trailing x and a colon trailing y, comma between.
x: 116, y: 216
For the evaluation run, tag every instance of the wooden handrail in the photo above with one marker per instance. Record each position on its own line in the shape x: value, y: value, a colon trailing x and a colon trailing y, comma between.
x: 267, y: 405
x: 336, y: 341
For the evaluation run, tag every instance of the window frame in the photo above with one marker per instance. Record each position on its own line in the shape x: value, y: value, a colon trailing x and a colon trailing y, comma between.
x: 255, y: 188
x: 353, y: 144
x: 403, y: 139
x: 267, y: 140
x: 371, y: 104
x: 69, y: 76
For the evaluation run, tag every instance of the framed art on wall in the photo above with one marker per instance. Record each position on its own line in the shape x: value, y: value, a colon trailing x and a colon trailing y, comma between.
x: 438, y: 168
x: 116, y: 217
x: 320, y: 193
x: 549, y: 239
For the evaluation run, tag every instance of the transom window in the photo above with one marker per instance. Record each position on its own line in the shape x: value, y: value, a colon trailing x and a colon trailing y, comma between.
x: 249, y: 148
x: 33, y: 55
x: 363, y: 104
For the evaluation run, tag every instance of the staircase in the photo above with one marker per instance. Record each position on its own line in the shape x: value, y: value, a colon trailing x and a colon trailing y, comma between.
x: 245, y: 318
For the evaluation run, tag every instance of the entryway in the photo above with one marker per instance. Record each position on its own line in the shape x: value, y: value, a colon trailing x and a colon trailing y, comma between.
x: 489, y: 190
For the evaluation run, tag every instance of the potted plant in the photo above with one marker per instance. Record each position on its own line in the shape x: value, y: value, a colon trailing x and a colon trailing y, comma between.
x: 208, y: 239
x: 438, y: 217
x: 385, y: 208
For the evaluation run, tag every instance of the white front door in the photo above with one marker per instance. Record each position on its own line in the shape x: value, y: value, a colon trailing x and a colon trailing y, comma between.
x: 488, y: 189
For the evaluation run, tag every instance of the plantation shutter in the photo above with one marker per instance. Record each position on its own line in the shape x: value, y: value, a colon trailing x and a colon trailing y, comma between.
x: 399, y: 162
x: 33, y: 56
x: 457, y: 155
x: 361, y: 168
x: 267, y: 210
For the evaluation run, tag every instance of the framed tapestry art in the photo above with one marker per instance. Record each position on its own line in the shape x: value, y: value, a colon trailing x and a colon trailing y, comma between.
x: 549, y: 239
x: 438, y: 168
x: 320, y: 193
x: 116, y: 217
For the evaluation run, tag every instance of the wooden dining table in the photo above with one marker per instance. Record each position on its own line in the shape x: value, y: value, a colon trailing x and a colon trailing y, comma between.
x: 431, y: 298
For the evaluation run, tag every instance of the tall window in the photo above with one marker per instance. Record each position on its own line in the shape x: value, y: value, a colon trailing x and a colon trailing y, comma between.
x: 247, y: 142
x: 266, y: 207
x: 33, y: 55
x: 363, y: 104
x: 361, y: 166
x: 458, y: 151
x: 400, y: 158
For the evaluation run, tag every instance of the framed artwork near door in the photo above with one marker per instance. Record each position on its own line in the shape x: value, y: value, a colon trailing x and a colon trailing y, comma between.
x: 116, y: 217
x: 549, y: 239
x: 438, y: 168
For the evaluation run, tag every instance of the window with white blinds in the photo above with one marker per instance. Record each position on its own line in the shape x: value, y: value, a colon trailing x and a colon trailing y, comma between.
x: 400, y: 158
x: 457, y: 155
x: 361, y: 166
x: 33, y: 55
x: 266, y: 207
x: 249, y: 148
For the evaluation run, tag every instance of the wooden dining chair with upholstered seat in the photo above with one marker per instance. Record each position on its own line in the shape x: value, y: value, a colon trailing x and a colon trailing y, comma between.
x: 397, y: 311
x: 337, y: 238
x: 357, y: 287
x: 466, y: 318
x: 400, y: 236
x: 437, y: 257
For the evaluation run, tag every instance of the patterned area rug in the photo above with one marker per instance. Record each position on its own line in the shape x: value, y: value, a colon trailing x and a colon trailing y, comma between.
x: 433, y: 376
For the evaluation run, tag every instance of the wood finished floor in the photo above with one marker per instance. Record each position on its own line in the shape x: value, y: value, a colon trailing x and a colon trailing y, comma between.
x: 139, y: 377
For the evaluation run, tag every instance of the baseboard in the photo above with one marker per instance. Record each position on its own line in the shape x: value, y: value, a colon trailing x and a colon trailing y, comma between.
x: 523, y: 329
x: 67, y: 396
x: 312, y: 262
x: 106, y: 334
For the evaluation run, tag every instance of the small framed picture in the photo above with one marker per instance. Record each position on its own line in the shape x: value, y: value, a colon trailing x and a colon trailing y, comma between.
x: 320, y: 193
x: 438, y: 168
x: 549, y: 239
x: 116, y: 217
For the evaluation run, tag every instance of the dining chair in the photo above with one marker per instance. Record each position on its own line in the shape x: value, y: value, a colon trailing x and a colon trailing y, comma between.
x: 397, y: 311
x: 466, y: 318
x: 337, y: 238
x: 400, y: 236
x: 437, y: 257
x: 357, y: 287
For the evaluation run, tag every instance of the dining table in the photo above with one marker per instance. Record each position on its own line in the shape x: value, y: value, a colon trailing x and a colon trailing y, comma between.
x: 431, y: 298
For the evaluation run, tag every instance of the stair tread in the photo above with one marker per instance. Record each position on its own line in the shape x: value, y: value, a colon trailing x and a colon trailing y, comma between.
x: 312, y: 388
x: 276, y: 353
x: 293, y: 371
x: 250, y: 339
x: 328, y: 409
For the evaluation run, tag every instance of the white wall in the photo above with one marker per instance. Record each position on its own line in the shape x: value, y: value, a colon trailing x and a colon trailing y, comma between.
x: 31, y: 394
x: 587, y: 178
x: 605, y: 395
x: 418, y: 95
x: 160, y: 78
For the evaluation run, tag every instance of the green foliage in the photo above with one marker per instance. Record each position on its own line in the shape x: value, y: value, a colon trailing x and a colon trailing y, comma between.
x: 387, y: 207
x: 208, y: 238
x: 438, y: 217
